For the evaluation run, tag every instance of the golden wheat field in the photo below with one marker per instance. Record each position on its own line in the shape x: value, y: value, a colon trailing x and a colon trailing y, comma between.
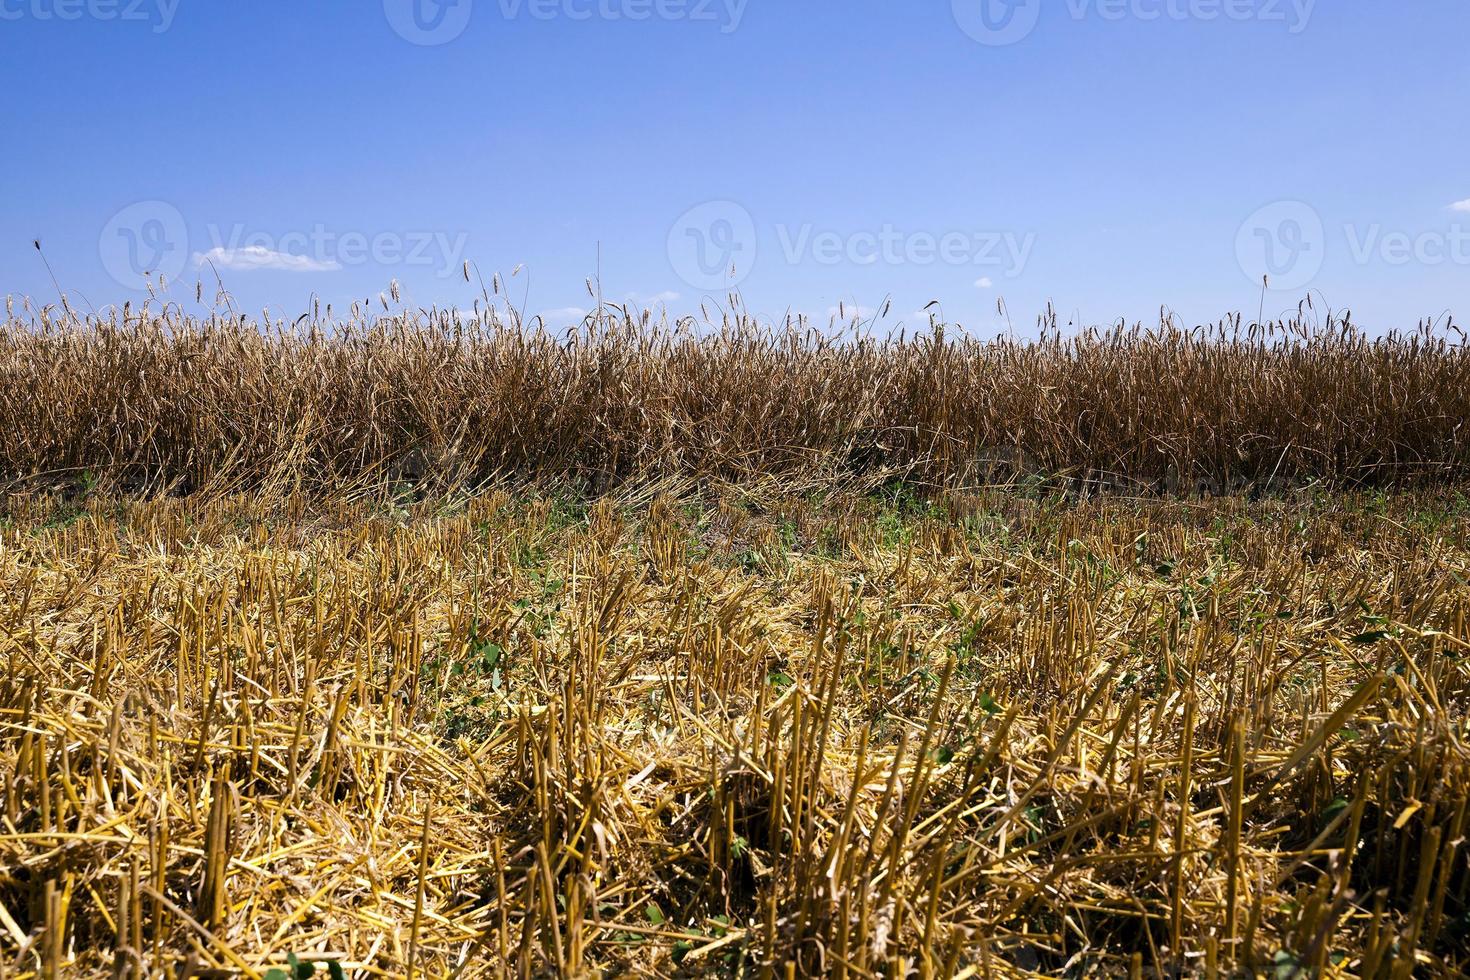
x: 157, y: 401
x: 401, y: 651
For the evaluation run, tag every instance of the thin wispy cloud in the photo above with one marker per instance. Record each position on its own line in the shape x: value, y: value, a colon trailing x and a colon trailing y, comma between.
x: 984, y: 282
x: 563, y: 316
x: 850, y: 311
x: 1461, y: 206
x: 657, y: 299
x: 255, y: 257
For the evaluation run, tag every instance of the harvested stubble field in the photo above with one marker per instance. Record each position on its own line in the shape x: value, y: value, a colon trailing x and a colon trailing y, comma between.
x: 995, y: 737
x: 755, y: 719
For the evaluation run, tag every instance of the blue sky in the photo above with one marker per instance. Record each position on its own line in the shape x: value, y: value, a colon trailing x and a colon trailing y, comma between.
x: 1109, y: 156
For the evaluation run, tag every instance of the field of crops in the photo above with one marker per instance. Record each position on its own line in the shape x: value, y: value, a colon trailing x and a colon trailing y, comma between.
x: 165, y: 402
x: 299, y: 673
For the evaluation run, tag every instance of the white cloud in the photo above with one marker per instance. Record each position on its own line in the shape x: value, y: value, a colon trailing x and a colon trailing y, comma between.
x: 563, y: 316
x: 1461, y: 205
x: 657, y: 299
x: 984, y: 282
x: 253, y: 257
x: 850, y: 310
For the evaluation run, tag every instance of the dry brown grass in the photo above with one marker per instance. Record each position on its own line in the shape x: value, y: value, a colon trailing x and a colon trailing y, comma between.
x: 156, y: 400
x: 1001, y: 737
